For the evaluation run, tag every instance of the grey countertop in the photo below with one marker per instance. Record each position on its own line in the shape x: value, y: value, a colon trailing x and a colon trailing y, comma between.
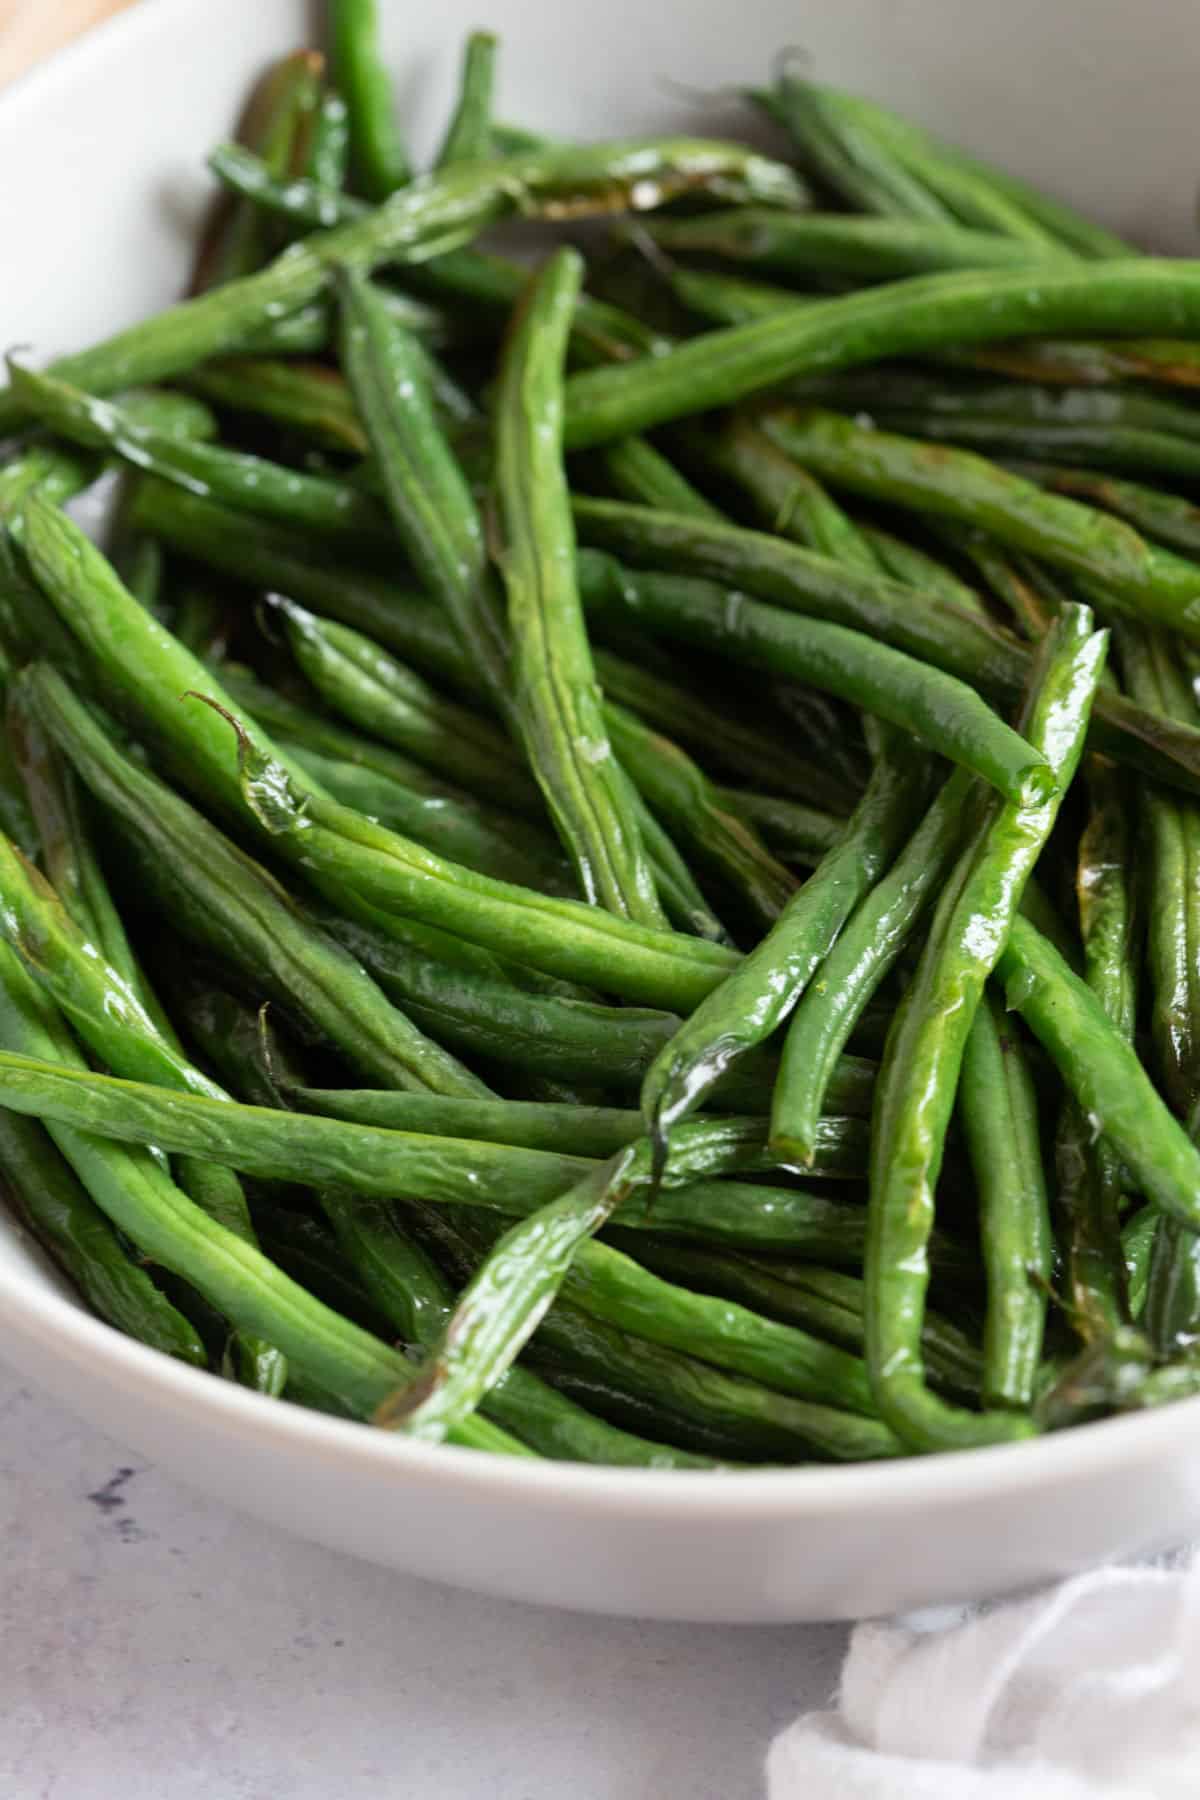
x: 156, y: 1646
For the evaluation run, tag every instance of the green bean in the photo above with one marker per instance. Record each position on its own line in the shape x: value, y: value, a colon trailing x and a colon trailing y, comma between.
x: 167, y: 1227
x: 700, y: 725
x: 785, y: 498
x: 1004, y: 579
x: 926, y: 1045
x: 275, y: 125
x: 1149, y: 662
x: 1000, y: 1117
x: 557, y: 700
x: 1103, y: 1072
x: 901, y: 318
x: 229, y: 903
x: 677, y: 789
x: 1089, y: 1173
x: 730, y: 299
x: 678, y: 891
x: 372, y: 690
x: 870, y: 944
x: 380, y: 160
x: 469, y: 135
x: 758, y: 1421
x: 974, y: 190
x: 344, y: 852
x: 1166, y: 518
x: 420, y: 221
x: 596, y: 1131
x: 427, y: 494
x: 1148, y: 582
x: 1137, y: 1241
x: 307, y: 397
x: 412, y: 1294
x: 1115, y: 446
x: 637, y: 471
x: 327, y: 154
x: 917, y: 569
x: 249, y: 482
x: 382, y: 1163
x: 484, y: 838
x: 77, y: 1236
x: 878, y: 249
x: 795, y: 833
x: 826, y: 1302
x: 702, y: 613
x: 846, y: 157
x: 765, y: 988
x: 109, y: 1017
x: 940, y: 709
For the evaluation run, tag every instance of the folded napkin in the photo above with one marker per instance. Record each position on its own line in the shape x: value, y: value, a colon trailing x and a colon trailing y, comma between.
x: 1086, y: 1691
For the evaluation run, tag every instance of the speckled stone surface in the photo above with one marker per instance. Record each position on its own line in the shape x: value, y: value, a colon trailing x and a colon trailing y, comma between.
x: 156, y: 1646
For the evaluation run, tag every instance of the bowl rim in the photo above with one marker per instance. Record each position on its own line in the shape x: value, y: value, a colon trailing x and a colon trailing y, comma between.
x: 1081, y: 1452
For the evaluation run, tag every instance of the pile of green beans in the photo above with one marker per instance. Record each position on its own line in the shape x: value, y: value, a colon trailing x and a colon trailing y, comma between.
x: 674, y: 950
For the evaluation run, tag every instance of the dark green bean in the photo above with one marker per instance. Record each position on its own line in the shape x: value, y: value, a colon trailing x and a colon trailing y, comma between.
x: 77, y: 1236
x: 680, y: 793
x: 1150, y: 583
x: 557, y: 699
x: 766, y: 987
x: 380, y: 160
x: 940, y: 709
x: 1166, y: 518
x: 1103, y: 1072
x: 639, y: 472
x: 469, y: 135
x: 926, y: 1044
x: 897, y: 319
x: 678, y: 890
x: 869, y: 946
x: 415, y: 1298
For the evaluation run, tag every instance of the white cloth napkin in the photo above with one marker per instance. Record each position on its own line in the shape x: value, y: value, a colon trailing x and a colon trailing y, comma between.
x: 1087, y: 1691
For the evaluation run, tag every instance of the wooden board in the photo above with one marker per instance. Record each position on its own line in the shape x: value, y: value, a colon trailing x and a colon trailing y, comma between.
x: 32, y: 29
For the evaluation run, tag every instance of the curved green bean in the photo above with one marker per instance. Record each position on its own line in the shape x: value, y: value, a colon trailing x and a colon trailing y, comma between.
x: 469, y: 135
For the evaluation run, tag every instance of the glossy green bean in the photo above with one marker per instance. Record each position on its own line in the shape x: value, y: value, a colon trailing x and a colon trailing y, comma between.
x: 766, y: 987
x: 1165, y: 518
x: 900, y: 318
x: 469, y: 135
x: 211, y: 470
x: 557, y: 701
x: 419, y: 221
x: 925, y: 1049
x: 415, y: 1298
x: 227, y: 902
x: 869, y: 946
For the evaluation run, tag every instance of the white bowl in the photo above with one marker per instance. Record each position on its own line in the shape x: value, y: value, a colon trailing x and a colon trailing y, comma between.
x: 102, y: 154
